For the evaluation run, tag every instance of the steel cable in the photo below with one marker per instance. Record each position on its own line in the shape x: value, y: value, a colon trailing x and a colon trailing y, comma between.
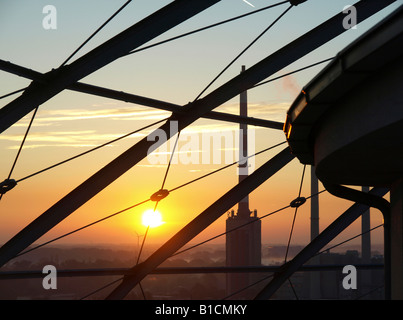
x: 243, y: 51
x: 206, y: 28
x: 95, y: 32
x: 131, y: 207
x: 91, y: 150
x: 21, y: 146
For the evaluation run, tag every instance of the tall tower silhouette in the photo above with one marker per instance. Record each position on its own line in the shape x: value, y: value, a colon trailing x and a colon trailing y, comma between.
x: 243, y: 245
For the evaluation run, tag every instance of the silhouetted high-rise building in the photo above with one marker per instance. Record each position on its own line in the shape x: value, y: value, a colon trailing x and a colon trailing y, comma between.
x: 243, y: 246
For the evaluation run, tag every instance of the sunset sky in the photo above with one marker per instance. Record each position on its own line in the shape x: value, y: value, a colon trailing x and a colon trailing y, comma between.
x: 176, y: 72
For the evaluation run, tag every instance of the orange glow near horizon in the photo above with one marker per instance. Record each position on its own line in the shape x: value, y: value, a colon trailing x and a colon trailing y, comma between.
x: 152, y: 219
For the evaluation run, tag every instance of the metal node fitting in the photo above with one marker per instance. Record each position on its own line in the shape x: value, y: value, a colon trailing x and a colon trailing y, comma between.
x: 159, y: 195
x: 297, y: 202
x: 7, y: 185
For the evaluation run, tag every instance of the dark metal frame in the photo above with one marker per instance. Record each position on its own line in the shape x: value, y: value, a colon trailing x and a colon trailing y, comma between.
x: 45, y: 86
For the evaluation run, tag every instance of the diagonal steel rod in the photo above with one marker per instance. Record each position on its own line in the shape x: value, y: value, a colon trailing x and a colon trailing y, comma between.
x: 192, y: 112
x: 202, y: 221
x: 59, y: 79
x: 327, y: 235
x: 140, y: 100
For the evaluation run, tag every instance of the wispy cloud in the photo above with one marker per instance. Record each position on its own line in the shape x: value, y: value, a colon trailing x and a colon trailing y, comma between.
x: 110, y: 114
x: 76, y: 139
x: 53, y: 119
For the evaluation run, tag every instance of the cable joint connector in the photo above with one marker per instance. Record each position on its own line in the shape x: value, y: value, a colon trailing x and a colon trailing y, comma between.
x: 296, y: 203
x: 7, y: 185
x: 159, y: 195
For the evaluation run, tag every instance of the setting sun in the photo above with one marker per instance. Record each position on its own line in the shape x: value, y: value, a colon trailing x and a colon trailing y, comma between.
x: 152, y: 218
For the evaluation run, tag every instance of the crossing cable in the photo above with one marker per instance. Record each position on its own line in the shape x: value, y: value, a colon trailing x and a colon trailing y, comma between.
x: 162, y: 188
x: 205, y: 28
x: 136, y: 205
x: 144, y: 238
x: 243, y: 51
x: 255, y: 86
x: 169, y: 165
x: 348, y: 240
x: 271, y: 275
x: 155, y: 207
x: 79, y: 48
x: 321, y: 252
x: 241, y: 226
x: 227, y: 166
x: 21, y: 146
x: 126, y: 210
x: 36, y: 109
x: 293, y: 289
x: 267, y: 277
x: 95, y: 32
x: 368, y: 293
x: 127, y: 135
x: 102, y: 288
x: 352, y: 238
x: 201, y: 243
x: 228, y: 231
